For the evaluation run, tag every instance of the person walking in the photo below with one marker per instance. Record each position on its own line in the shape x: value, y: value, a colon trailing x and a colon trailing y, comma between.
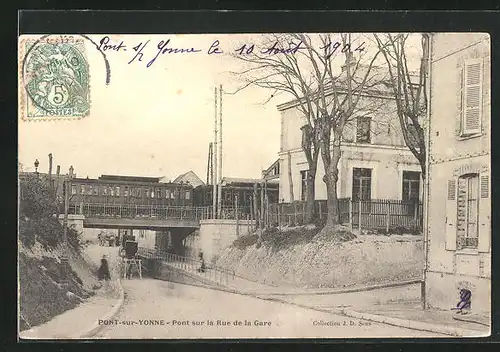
x: 103, y: 272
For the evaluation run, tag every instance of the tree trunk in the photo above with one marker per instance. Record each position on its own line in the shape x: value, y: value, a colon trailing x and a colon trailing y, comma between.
x: 333, y: 214
x: 331, y: 179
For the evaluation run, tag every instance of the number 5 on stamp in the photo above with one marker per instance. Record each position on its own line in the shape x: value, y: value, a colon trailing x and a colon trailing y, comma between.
x: 55, y: 78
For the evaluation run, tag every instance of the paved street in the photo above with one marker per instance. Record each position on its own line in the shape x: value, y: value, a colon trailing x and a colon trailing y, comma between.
x: 160, y: 309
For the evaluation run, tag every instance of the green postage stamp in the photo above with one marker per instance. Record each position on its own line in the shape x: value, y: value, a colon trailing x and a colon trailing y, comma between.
x: 55, y: 78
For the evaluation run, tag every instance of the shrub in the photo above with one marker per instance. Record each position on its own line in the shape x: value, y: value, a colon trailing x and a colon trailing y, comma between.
x: 214, y: 260
x: 279, y: 240
x: 37, y: 216
x: 245, y: 241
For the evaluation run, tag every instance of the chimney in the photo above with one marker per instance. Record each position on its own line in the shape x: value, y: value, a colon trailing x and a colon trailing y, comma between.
x: 71, y: 172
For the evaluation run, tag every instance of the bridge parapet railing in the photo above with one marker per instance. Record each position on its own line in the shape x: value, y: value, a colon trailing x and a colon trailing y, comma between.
x: 137, y: 211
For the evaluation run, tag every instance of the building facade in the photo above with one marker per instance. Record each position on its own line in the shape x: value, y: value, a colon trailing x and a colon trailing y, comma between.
x: 375, y: 162
x: 459, y: 203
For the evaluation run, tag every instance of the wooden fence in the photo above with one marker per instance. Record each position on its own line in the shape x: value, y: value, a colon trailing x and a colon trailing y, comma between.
x: 383, y: 214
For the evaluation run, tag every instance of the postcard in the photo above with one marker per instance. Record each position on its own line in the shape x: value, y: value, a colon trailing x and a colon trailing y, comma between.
x: 264, y: 185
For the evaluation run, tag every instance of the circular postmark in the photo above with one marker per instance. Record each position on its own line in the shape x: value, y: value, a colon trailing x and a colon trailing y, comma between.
x: 56, y: 77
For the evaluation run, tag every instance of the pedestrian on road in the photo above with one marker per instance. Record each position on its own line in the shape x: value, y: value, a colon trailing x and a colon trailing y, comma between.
x: 103, y: 272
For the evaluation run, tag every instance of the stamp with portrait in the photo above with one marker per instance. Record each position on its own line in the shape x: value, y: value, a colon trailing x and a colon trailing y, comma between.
x: 55, y: 78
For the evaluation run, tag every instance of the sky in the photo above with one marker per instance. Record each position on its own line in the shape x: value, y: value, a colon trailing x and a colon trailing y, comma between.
x: 159, y: 120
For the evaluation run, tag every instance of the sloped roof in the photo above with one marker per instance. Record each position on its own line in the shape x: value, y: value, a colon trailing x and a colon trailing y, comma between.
x: 189, y: 173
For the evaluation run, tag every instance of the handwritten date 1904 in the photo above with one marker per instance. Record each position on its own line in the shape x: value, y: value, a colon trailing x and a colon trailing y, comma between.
x: 166, y: 47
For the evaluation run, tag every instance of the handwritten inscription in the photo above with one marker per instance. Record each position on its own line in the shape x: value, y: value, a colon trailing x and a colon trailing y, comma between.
x: 167, y: 47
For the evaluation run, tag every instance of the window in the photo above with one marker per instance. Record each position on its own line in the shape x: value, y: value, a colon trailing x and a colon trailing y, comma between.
x: 363, y: 129
x: 111, y: 191
x: 105, y: 190
x: 146, y: 193
x: 411, y: 185
x: 467, y: 211
x: 90, y: 190
x: 304, y: 174
x: 361, y: 184
x: 96, y: 190
x: 158, y: 193
x: 117, y: 191
x: 167, y: 193
x: 73, y: 189
x: 82, y: 189
x: 172, y: 194
x: 125, y: 191
x: 188, y: 194
x: 471, y: 97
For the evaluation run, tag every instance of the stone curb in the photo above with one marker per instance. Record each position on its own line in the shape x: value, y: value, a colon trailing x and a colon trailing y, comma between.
x: 95, y: 327
x: 277, y: 293
x: 414, y: 325
x: 344, y: 290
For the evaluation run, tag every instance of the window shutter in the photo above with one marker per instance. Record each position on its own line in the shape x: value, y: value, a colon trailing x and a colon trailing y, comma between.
x: 473, y: 80
x: 451, y: 216
x: 484, y: 213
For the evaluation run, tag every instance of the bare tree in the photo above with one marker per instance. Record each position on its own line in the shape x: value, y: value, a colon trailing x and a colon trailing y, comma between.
x: 328, y: 101
x: 282, y: 73
x: 408, y: 88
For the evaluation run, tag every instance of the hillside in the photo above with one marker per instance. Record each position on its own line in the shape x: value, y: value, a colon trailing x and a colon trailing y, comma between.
x: 301, y: 257
x: 42, y: 294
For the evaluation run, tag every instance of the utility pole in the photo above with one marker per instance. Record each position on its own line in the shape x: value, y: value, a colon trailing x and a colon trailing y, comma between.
x: 210, y: 166
x: 214, y: 156
x: 220, y: 154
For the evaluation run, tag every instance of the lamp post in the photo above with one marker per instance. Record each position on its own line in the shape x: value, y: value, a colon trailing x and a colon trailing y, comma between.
x: 36, y: 163
x: 65, y: 256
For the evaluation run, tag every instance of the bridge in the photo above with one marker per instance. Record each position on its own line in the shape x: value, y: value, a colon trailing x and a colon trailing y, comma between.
x: 131, y: 216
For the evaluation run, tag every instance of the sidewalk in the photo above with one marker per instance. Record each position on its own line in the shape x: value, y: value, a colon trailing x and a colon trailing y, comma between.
x: 412, y: 316
x: 391, y: 303
x: 79, y: 322
x: 83, y: 320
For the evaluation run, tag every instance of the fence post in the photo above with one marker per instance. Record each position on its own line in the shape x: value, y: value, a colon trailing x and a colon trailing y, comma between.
x: 248, y: 224
x: 359, y: 217
x: 417, y: 205
x: 267, y: 211
x: 350, y: 213
x: 279, y: 215
x: 388, y: 220
x: 295, y: 213
x: 236, y: 216
x: 303, y: 212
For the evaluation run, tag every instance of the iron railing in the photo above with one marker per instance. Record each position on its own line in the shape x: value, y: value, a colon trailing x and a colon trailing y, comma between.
x: 210, y: 272
x: 367, y: 214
